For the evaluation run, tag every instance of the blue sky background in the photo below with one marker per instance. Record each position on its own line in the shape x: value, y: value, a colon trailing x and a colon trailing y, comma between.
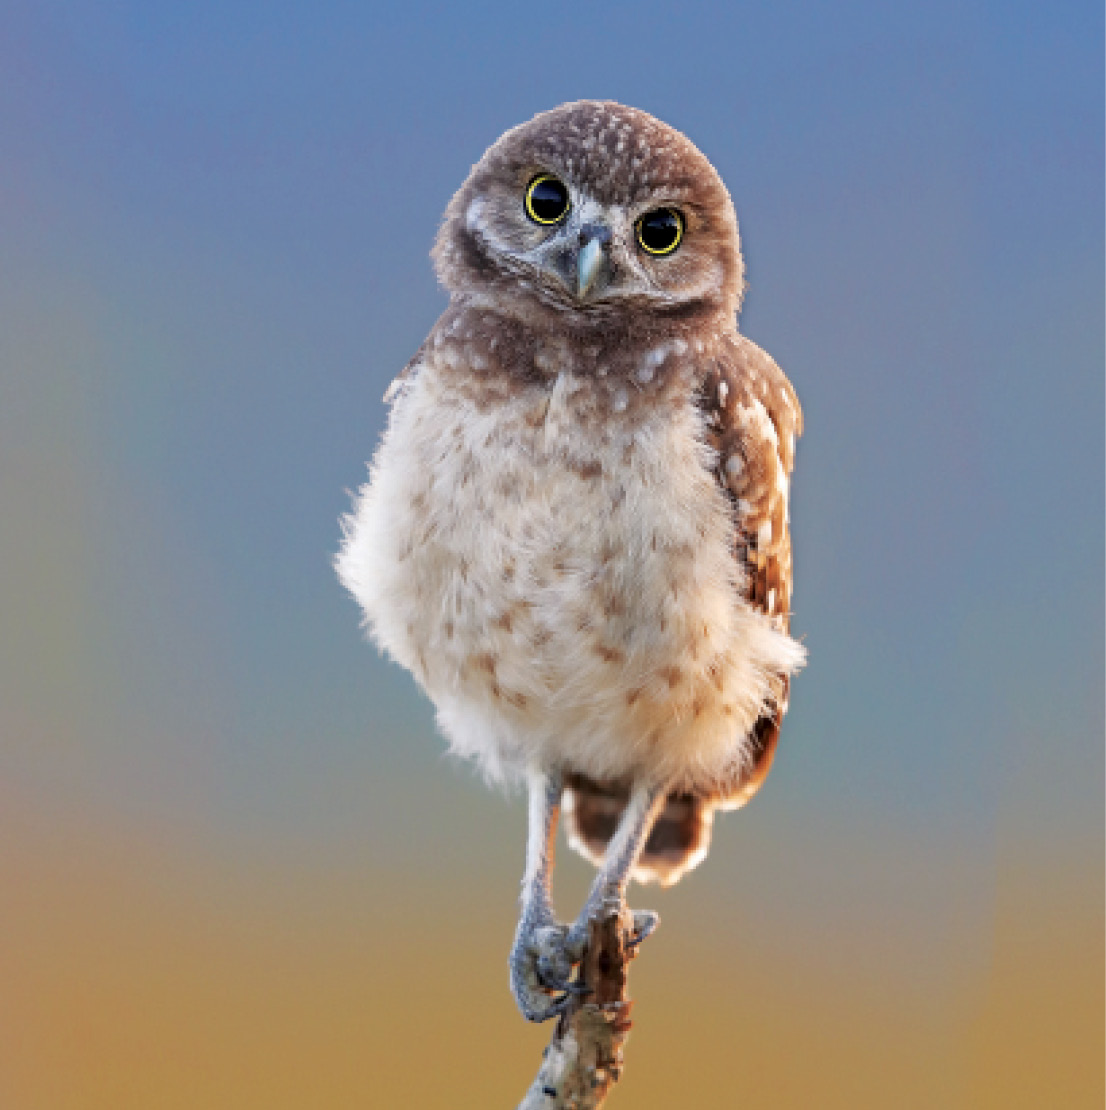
x: 214, y: 226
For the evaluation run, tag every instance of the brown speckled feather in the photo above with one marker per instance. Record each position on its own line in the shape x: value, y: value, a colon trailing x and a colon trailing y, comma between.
x: 752, y: 419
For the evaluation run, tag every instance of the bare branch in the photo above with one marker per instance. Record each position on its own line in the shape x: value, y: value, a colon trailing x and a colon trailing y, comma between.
x: 583, y: 1061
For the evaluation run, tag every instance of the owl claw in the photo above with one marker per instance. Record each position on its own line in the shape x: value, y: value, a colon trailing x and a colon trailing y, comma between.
x: 645, y: 924
x: 540, y: 965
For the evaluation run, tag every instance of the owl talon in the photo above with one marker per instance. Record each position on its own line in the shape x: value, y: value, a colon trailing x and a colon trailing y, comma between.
x: 645, y: 924
x: 569, y: 986
x: 541, y: 966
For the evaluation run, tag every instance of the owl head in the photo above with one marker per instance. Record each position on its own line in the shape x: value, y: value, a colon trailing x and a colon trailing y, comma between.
x: 593, y: 209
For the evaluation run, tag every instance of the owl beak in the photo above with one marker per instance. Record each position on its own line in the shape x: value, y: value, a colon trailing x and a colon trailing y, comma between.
x: 591, y: 260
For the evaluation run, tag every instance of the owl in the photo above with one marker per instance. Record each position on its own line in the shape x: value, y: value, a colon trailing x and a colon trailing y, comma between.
x: 575, y: 533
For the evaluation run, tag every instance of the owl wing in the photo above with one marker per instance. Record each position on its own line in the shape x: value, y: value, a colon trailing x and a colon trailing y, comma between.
x: 752, y: 419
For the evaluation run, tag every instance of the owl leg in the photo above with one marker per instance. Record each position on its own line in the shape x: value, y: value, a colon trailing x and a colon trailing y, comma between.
x: 638, y: 818
x: 539, y: 961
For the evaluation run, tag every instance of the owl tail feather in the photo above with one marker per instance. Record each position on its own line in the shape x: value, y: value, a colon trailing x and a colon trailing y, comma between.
x: 679, y: 840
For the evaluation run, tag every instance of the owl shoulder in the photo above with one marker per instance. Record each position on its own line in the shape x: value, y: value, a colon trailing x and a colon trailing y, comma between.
x: 484, y: 351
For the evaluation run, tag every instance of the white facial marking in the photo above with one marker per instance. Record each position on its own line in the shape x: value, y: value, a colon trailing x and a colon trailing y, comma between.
x: 474, y: 214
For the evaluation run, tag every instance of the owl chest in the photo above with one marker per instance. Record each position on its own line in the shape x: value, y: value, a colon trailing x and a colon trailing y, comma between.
x: 547, y: 556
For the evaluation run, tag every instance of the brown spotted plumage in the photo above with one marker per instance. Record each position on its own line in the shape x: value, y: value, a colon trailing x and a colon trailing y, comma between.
x: 575, y: 535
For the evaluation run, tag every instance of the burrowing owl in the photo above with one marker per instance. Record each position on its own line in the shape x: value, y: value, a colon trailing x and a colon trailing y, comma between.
x: 575, y: 532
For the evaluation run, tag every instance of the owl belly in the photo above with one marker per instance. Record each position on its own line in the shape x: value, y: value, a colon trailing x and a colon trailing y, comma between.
x: 566, y: 593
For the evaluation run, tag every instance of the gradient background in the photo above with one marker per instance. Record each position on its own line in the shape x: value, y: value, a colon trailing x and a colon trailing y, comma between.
x: 235, y: 869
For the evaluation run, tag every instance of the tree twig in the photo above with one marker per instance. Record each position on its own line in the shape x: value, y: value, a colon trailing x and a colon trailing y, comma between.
x: 583, y: 1061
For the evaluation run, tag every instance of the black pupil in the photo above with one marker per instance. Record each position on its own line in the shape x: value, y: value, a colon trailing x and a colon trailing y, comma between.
x: 549, y: 199
x: 660, y: 229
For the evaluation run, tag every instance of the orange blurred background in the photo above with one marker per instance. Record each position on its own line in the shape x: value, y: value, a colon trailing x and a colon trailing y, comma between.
x: 136, y: 974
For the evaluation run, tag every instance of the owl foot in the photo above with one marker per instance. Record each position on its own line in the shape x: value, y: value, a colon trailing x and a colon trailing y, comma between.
x: 645, y: 923
x: 541, y: 966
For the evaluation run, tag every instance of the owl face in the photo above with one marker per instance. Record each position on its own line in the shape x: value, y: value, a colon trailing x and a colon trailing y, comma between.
x: 594, y: 209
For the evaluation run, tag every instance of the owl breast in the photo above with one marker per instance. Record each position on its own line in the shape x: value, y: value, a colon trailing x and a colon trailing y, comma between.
x: 562, y: 582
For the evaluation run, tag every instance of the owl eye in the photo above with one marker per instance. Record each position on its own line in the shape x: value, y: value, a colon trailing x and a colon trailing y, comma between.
x: 546, y: 199
x: 660, y: 231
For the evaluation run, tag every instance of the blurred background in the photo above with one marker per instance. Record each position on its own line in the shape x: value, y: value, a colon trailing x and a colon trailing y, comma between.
x: 235, y: 868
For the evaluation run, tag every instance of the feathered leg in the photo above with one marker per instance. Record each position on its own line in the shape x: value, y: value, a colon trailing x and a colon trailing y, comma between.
x: 539, y: 963
x: 641, y: 813
x: 545, y: 951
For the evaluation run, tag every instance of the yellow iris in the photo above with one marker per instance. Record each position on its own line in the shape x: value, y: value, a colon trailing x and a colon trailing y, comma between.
x: 659, y: 232
x: 546, y: 199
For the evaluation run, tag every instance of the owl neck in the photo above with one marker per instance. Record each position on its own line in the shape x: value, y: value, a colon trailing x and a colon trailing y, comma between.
x: 621, y: 365
x: 607, y: 328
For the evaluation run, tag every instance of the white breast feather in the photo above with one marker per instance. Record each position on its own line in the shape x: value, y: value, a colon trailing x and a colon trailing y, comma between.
x: 565, y: 600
